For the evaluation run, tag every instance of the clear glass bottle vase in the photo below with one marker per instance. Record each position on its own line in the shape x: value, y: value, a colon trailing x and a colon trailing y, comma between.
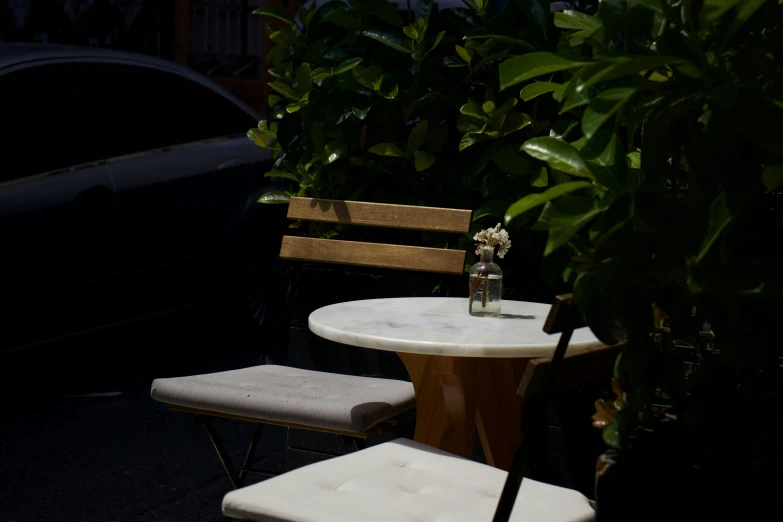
x: 486, y: 285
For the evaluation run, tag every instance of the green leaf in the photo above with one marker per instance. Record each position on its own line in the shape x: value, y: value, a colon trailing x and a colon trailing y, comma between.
x: 494, y: 208
x: 435, y: 43
x: 744, y: 12
x: 532, y: 90
x: 281, y: 174
x: 719, y: 218
x: 514, y: 122
x: 539, y: 13
x: 772, y: 176
x: 655, y: 5
x: 275, y: 197
x: 417, y: 137
x: 381, y: 9
x: 504, y: 39
x: 576, y: 20
x: 423, y: 160
x: 437, y: 135
x: 411, y: 32
x: 470, y: 139
x: 347, y: 65
x: 566, y: 217
x: 631, y: 67
x: 463, y: 53
x: 361, y: 112
x: 389, y: 89
x: 273, y: 100
x: 603, y: 107
x: 509, y: 160
x: 522, y: 68
x: 713, y: 9
x: 535, y: 200
x: 285, y: 89
x: 466, y: 123
x: 259, y: 137
x: 304, y: 82
x: 558, y: 154
x: 274, y: 12
x: 475, y: 110
x: 334, y: 150
x: 541, y: 180
x: 387, y: 149
x: 387, y: 37
x: 634, y: 159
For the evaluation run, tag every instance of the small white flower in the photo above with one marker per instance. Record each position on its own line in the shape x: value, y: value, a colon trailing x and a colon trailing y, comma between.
x: 493, y: 237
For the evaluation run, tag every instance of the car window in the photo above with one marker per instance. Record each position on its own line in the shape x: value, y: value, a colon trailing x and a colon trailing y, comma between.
x: 138, y: 108
x: 64, y: 114
x: 38, y: 128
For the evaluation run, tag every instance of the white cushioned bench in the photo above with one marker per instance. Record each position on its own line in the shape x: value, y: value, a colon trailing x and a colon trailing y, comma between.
x: 400, y: 481
x: 289, y: 395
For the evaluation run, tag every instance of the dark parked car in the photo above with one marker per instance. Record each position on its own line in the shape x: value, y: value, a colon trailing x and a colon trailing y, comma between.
x: 128, y: 190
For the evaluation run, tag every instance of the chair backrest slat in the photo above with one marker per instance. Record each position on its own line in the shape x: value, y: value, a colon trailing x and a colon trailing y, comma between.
x: 378, y: 255
x: 380, y: 215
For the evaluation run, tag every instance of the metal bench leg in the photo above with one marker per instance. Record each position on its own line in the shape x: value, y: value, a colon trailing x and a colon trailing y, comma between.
x: 257, y: 432
x: 217, y: 442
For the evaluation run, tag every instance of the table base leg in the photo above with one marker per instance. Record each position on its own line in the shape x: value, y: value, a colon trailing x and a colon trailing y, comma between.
x: 445, y: 400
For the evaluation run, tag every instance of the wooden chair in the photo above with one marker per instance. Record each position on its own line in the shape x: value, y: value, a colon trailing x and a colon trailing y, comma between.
x: 352, y: 406
x: 405, y: 480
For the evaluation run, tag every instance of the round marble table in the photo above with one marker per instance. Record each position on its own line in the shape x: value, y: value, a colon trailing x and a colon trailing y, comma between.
x: 465, y: 369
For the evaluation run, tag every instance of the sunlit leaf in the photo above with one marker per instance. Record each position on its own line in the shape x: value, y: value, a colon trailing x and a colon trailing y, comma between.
x: 535, y: 200
x: 423, y: 160
x: 417, y: 137
x: 285, y: 89
x: 274, y: 197
x: 558, y: 154
x: 387, y: 149
x: 532, y: 90
x: 347, y: 65
x: 527, y: 66
x: 388, y: 37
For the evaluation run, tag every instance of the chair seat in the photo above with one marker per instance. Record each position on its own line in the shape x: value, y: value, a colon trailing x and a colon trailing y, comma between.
x: 400, y: 481
x: 290, y: 395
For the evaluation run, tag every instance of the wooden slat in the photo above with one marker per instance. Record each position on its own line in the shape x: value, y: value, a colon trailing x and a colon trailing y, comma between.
x: 380, y: 215
x: 576, y: 369
x: 379, y: 255
x: 562, y: 315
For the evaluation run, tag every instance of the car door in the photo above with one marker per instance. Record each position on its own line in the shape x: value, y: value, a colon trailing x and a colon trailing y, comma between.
x: 56, y: 208
x: 183, y: 169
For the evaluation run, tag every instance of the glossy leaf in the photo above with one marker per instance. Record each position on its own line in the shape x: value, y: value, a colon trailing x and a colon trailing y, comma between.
x: 527, y: 66
x: 470, y: 139
x: 281, y: 174
x: 285, y: 89
x: 423, y: 160
x: 532, y: 90
x: 558, y: 154
x: 475, y: 110
x: 435, y: 43
x: 631, y: 67
x: 541, y: 179
x: 347, y: 65
x: 603, y: 107
x: 333, y: 151
x: 575, y: 20
x: 259, y: 137
x: 514, y: 122
x: 387, y: 149
x: 504, y: 39
x: 417, y: 137
x: 275, y: 197
x: 772, y: 176
x: 389, y: 38
x: 274, y: 12
x: 532, y: 201
x: 463, y: 53
x: 466, y: 123
x: 566, y: 217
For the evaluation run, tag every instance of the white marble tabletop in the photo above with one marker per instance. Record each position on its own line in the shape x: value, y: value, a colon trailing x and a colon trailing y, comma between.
x: 442, y: 326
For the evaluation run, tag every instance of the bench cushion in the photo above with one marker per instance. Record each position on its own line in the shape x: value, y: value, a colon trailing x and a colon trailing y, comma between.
x: 289, y: 395
x: 400, y: 481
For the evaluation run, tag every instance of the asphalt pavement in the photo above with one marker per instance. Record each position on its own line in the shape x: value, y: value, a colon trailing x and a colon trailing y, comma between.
x: 81, y: 440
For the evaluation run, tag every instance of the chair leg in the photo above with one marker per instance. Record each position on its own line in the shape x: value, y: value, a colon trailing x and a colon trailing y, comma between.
x: 257, y: 431
x: 217, y: 442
